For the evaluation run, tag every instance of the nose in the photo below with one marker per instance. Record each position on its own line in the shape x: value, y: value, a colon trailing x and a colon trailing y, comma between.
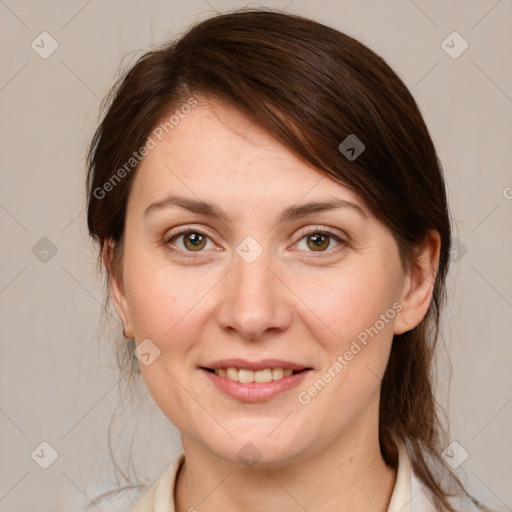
x: 254, y: 299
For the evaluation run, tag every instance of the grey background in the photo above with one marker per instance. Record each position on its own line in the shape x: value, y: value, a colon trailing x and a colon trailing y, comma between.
x: 58, y: 380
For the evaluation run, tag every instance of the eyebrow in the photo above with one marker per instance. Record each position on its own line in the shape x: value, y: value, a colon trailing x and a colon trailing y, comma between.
x: 288, y: 214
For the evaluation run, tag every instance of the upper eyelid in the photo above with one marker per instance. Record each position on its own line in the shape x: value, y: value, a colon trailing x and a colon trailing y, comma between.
x: 303, y: 231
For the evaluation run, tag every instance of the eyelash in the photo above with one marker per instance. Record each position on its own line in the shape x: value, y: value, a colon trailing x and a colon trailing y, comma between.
x: 192, y: 254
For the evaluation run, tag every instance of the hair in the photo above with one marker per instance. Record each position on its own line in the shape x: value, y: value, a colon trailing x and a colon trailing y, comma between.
x: 310, y: 86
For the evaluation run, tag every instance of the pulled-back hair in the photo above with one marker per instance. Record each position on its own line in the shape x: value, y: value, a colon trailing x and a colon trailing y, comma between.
x: 310, y: 86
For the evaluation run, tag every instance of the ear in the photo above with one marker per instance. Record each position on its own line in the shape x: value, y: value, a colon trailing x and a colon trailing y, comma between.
x: 418, y: 286
x: 117, y: 294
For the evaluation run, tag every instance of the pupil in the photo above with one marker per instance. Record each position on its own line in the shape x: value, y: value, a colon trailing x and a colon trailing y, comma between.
x: 195, y: 239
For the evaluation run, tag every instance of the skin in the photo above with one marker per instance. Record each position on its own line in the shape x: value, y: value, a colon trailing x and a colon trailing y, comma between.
x: 293, y: 303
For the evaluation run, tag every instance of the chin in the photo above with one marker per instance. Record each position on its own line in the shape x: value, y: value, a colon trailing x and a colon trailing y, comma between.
x: 257, y: 451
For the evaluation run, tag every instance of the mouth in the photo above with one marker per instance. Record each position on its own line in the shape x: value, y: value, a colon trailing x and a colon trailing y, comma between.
x: 254, y: 381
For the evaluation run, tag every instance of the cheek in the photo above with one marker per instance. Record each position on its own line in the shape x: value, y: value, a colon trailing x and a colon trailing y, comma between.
x: 348, y: 301
x: 161, y: 296
x: 368, y: 310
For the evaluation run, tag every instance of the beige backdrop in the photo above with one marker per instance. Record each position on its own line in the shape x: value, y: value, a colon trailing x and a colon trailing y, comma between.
x: 59, y: 388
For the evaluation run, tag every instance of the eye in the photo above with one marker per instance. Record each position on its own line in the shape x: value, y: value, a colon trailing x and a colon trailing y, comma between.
x: 319, y: 240
x: 193, y: 241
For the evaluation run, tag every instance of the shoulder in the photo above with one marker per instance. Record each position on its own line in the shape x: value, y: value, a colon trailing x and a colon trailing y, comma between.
x: 421, y: 499
x: 160, y: 496
x: 409, y: 493
x: 420, y: 496
x: 117, y: 500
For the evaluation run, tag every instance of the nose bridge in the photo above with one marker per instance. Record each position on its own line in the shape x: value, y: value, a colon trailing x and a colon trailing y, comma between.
x: 253, y: 301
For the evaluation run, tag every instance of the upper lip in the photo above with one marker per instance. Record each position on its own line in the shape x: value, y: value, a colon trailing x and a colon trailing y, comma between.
x: 261, y: 364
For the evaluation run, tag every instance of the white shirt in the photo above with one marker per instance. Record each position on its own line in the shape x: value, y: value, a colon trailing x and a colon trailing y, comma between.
x: 409, y: 494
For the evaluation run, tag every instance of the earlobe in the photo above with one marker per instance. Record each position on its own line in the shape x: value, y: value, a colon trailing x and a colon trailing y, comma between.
x: 117, y: 294
x: 418, y: 286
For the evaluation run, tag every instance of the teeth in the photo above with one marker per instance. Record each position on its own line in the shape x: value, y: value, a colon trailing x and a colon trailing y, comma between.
x: 245, y: 376
x: 277, y: 373
x: 263, y: 375
x: 232, y: 374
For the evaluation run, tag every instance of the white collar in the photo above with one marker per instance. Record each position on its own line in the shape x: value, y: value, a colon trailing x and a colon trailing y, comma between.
x: 401, y: 497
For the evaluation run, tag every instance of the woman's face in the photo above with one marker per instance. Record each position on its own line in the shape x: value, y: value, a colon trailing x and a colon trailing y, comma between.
x: 271, y: 286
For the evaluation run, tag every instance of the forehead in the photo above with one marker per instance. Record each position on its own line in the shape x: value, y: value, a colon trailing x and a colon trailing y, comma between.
x: 215, y: 151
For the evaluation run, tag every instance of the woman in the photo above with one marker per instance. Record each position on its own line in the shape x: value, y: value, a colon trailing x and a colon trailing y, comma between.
x: 272, y: 217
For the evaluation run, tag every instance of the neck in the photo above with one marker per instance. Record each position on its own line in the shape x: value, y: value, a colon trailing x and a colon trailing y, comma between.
x: 347, y: 475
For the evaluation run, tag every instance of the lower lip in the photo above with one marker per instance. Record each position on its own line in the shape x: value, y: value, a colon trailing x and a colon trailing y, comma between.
x: 255, y: 391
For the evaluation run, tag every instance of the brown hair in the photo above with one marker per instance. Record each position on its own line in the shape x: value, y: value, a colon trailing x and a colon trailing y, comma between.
x: 310, y: 86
